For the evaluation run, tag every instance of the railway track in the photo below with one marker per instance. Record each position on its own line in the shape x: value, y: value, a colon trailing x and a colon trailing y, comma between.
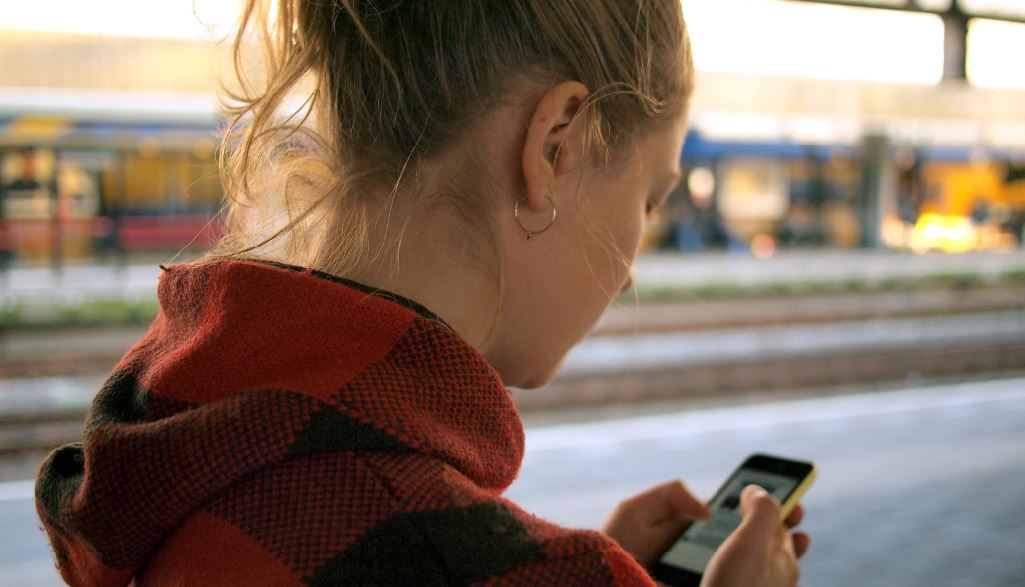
x: 67, y: 351
x: 26, y: 437
x: 625, y: 319
x: 843, y: 341
x: 766, y: 376
x: 39, y: 431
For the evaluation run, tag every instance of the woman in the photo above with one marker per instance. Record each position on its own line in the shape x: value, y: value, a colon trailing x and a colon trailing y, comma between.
x: 322, y: 399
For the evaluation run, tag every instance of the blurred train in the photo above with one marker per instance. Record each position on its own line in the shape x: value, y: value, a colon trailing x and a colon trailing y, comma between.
x: 116, y: 176
x: 93, y: 178
x: 766, y: 194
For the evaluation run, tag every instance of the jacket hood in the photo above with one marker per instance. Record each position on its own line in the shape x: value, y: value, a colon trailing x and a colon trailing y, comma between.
x: 248, y: 364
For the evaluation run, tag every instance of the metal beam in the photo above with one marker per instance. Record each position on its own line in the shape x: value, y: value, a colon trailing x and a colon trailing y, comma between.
x: 913, y: 6
x: 955, y: 44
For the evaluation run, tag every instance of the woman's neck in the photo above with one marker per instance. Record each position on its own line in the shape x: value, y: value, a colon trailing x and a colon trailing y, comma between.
x: 425, y: 259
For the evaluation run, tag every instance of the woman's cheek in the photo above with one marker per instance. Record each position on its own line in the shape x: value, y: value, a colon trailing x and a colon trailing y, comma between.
x: 632, y: 241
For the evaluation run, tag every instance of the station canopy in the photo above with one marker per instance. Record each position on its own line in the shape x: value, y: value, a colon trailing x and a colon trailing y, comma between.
x: 1012, y: 9
x: 842, y: 40
x: 826, y: 39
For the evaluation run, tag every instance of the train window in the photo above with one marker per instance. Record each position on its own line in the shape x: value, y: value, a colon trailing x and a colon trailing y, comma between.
x: 79, y: 181
x: 753, y: 196
x: 26, y: 176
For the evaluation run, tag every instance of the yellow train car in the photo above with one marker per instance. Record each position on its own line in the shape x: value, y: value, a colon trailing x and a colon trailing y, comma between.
x: 969, y: 205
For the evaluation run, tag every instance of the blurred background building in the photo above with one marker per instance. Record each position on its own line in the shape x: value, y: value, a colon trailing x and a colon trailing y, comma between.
x: 841, y: 276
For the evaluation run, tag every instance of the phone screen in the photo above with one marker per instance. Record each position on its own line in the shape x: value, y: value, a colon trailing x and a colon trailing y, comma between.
x: 698, y: 543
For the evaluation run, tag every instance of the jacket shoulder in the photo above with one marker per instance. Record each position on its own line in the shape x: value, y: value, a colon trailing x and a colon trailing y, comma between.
x: 367, y: 518
x: 478, y: 537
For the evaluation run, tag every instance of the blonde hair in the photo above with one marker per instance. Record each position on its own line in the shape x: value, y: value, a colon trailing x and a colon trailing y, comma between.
x: 389, y: 84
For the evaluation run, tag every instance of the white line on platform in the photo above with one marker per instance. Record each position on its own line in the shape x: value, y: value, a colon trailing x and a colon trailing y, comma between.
x: 14, y: 490
x: 749, y: 417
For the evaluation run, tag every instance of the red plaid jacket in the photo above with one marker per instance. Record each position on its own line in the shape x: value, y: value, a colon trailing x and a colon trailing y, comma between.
x: 280, y: 426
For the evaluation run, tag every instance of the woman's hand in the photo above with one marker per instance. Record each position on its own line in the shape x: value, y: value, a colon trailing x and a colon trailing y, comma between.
x: 761, y: 552
x: 645, y: 525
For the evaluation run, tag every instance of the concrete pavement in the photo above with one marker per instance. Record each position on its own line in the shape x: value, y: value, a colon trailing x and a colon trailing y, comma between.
x: 917, y: 487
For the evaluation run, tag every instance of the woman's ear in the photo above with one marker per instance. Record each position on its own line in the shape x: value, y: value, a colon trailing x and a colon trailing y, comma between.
x: 546, y: 151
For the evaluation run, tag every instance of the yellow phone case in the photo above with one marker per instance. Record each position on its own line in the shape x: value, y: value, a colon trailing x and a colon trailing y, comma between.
x: 795, y: 497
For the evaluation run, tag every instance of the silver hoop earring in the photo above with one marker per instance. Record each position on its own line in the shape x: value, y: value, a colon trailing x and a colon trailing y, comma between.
x: 531, y: 233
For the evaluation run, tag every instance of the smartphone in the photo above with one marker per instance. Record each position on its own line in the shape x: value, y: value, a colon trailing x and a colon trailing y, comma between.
x: 786, y: 480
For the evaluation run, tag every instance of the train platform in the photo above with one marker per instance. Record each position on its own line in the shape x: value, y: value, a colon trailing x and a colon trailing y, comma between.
x: 709, y: 272
x: 819, y: 267
x: 917, y: 487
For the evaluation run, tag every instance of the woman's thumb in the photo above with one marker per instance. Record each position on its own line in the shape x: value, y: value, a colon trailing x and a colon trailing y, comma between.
x: 760, y: 513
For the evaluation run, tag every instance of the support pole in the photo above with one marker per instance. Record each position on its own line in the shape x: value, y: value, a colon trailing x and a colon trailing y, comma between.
x: 875, y: 156
x: 955, y: 44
